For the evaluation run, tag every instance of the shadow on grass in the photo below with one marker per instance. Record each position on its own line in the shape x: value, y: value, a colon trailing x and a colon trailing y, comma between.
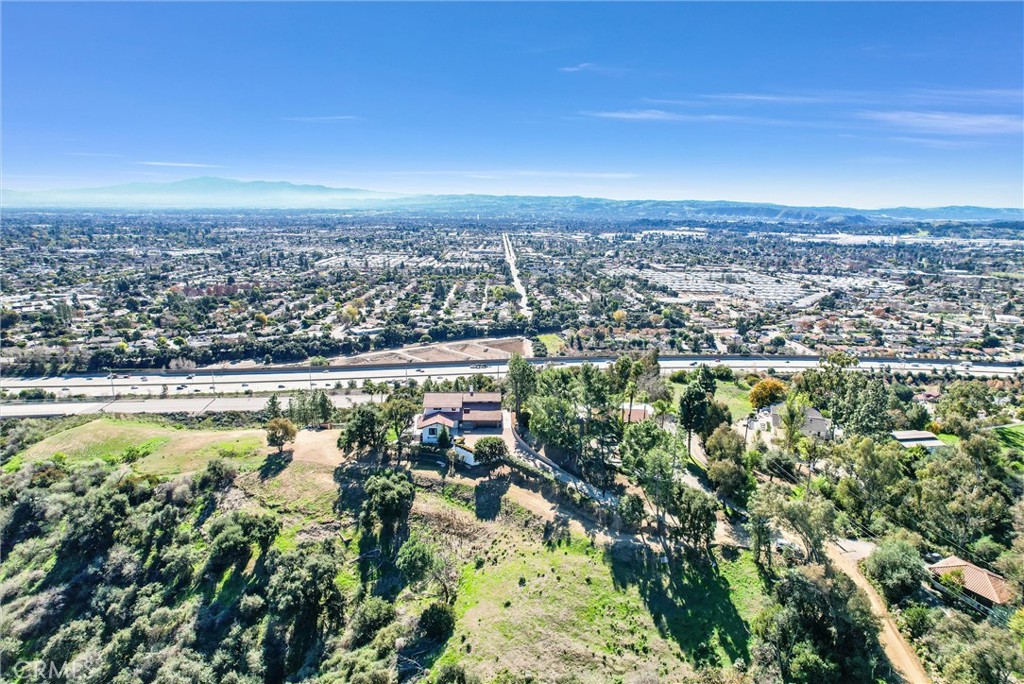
x: 418, y: 655
x: 488, y: 495
x: 351, y: 494
x: 688, y: 598
x: 274, y: 463
x: 556, y: 532
x: 1012, y: 438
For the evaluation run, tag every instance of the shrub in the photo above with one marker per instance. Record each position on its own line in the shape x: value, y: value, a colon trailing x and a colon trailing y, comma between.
x: 438, y: 621
x: 371, y: 615
x: 918, y: 620
x: 896, y: 568
x: 490, y: 450
x: 631, y: 511
x: 451, y: 673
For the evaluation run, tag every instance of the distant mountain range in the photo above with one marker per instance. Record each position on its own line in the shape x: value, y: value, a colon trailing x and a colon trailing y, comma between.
x: 224, y: 193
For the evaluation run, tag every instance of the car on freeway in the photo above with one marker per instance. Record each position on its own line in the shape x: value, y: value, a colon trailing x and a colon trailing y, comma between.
x: 135, y: 387
x: 419, y: 370
x: 65, y: 389
x: 280, y: 387
x: 190, y: 376
x: 245, y: 384
x: 479, y: 365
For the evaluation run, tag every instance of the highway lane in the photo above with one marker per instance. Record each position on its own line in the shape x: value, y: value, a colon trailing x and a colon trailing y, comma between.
x: 211, y: 382
x: 194, y: 405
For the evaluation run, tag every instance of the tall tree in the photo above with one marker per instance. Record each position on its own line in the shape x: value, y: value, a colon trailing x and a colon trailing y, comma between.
x: 693, y: 410
x: 397, y: 413
x: 273, y: 408
x: 792, y: 415
x: 280, y: 431
x: 521, y: 381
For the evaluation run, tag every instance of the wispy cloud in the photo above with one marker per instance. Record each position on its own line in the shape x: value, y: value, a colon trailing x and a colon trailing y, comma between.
x: 937, y: 143
x: 949, y: 123
x: 905, y: 96
x: 593, y: 68
x: 771, y: 98
x: 320, y: 119
x: 993, y: 96
x: 659, y: 115
x: 184, y: 165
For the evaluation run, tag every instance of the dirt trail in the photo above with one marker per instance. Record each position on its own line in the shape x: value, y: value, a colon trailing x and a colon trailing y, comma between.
x: 900, y: 654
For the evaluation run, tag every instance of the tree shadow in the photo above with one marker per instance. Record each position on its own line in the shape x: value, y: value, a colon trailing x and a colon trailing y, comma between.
x: 688, y: 598
x: 274, y: 463
x: 556, y: 532
x: 351, y: 494
x: 488, y: 495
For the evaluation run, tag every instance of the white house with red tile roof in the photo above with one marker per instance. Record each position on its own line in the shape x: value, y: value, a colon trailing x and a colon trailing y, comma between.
x: 457, y: 412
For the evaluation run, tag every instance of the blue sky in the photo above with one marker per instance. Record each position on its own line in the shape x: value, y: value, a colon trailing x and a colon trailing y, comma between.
x: 862, y: 104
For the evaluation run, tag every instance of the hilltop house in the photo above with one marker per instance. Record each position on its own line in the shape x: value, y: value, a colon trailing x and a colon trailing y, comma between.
x: 458, y: 412
x: 815, y: 425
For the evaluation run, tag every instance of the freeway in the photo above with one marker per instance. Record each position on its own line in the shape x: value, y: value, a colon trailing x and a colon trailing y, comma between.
x: 193, y: 405
x: 143, y: 384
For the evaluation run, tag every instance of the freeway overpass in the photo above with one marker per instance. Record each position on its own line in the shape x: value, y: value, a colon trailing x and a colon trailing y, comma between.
x: 206, y: 384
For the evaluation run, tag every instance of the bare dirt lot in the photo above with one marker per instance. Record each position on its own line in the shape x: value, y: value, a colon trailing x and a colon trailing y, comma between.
x: 317, y: 446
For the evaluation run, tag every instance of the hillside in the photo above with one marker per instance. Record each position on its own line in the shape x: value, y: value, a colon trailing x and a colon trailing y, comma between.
x: 194, y: 555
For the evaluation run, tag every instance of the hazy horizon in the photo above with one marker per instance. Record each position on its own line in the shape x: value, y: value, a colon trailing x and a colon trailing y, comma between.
x: 859, y: 105
x: 364, y: 195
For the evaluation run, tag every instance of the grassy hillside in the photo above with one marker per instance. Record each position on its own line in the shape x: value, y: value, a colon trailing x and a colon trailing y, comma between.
x: 200, y: 555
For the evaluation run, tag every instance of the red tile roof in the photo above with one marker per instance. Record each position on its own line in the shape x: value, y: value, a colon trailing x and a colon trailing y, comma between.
x: 978, y: 581
x: 446, y: 419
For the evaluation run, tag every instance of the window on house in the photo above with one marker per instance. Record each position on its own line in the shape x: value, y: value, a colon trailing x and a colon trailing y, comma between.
x: 432, y: 431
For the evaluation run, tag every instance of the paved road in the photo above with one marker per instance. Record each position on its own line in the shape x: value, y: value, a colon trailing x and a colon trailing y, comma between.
x: 181, y: 384
x: 510, y: 257
x: 193, y: 405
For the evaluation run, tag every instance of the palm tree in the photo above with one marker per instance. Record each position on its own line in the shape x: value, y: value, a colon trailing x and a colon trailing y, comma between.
x: 662, y: 407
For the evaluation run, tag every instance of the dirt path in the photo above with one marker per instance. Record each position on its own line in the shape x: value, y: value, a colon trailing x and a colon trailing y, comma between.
x: 900, y: 654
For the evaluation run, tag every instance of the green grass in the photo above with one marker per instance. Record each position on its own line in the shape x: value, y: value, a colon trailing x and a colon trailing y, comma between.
x: 733, y: 395
x: 1012, y: 437
x: 582, y: 608
x: 949, y: 440
x: 166, y: 450
x: 553, y: 342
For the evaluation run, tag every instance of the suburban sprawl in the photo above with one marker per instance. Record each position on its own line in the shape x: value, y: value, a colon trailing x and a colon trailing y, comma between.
x: 503, y: 442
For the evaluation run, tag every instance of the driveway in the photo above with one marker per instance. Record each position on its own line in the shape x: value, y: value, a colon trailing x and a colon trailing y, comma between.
x: 845, y: 553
